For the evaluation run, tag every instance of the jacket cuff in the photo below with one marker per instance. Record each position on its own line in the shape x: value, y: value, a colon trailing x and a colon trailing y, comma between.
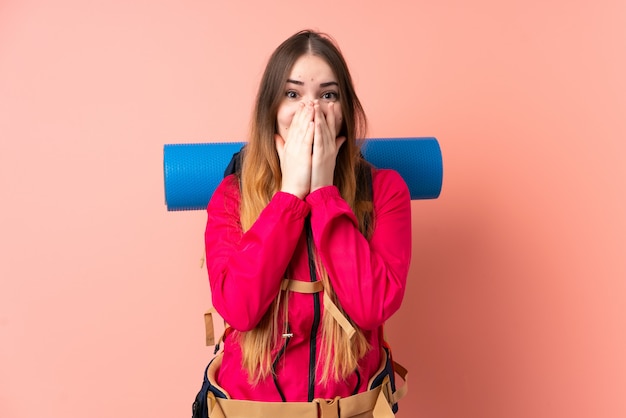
x: 291, y: 203
x: 322, y: 195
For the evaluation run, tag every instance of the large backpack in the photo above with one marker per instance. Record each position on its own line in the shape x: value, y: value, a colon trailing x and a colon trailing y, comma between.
x: 200, y: 406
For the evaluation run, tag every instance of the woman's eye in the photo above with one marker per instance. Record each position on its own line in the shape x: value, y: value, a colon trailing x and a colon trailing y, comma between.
x: 330, y: 95
x: 291, y: 94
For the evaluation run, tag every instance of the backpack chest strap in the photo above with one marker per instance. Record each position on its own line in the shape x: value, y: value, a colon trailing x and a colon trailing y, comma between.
x: 302, y: 287
x: 329, y: 306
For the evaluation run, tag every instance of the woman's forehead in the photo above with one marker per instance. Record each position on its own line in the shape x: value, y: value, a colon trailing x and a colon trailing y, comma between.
x: 311, y: 69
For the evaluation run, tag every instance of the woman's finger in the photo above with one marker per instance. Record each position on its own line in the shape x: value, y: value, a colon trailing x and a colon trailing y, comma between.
x: 331, y: 119
x: 323, y: 135
x: 300, y: 123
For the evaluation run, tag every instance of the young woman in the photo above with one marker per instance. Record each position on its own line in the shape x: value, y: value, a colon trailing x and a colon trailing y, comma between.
x: 308, y: 246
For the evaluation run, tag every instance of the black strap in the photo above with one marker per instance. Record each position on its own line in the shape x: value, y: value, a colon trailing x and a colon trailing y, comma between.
x: 316, y: 311
x: 234, y: 166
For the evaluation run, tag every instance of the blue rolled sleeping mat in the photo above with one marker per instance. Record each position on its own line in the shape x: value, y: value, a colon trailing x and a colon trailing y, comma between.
x: 192, y: 172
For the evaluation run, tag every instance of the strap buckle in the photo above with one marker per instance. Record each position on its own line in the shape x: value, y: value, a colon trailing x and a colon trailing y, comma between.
x: 328, y: 408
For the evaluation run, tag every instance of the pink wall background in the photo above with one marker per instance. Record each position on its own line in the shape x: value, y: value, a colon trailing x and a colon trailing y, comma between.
x: 516, y: 303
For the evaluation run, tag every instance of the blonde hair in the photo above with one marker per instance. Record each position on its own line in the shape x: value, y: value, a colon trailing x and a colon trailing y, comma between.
x: 261, y: 179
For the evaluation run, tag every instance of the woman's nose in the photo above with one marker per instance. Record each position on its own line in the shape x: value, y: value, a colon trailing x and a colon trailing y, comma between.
x: 309, y: 100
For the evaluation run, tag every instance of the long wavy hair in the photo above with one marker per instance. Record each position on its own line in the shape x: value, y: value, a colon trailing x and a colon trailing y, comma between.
x: 261, y: 178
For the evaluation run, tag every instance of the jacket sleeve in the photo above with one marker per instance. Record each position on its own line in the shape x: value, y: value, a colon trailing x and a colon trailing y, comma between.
x: 245, y: 269
x: 369, y: 278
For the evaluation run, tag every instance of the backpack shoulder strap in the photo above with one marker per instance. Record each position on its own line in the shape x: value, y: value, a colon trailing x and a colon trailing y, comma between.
x: 234, y: 166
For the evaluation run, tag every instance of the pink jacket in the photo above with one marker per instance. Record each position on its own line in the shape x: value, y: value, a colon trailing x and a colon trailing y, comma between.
x: 245, y: 273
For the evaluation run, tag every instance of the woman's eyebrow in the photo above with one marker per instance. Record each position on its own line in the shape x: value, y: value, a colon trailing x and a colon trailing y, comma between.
x: 301, y: 83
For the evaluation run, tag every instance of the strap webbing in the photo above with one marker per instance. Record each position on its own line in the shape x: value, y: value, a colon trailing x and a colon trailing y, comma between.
x: 299, y: 286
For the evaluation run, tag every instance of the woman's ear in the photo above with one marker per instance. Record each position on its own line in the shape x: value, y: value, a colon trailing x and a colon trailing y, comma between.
x: 280, y: 144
